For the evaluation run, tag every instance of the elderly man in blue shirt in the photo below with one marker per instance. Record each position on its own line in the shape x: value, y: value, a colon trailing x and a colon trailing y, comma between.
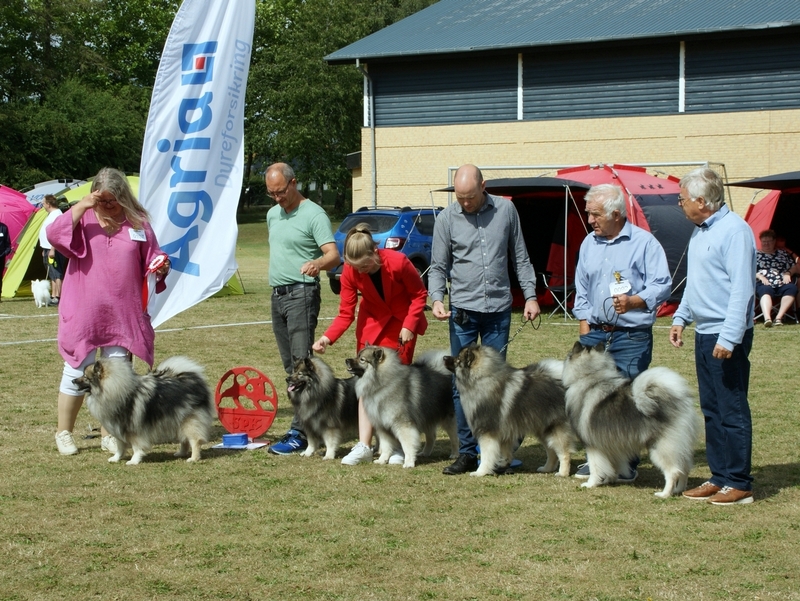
x: 472, y: 240
x: 621, y: 278
x: 719, y: 299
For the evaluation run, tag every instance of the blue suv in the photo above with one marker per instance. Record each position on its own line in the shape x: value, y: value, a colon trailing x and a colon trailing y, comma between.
x: 405, y: 229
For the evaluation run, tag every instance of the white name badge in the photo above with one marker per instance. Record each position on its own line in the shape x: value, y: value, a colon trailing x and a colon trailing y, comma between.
x: 137, y: 235
x: 621, y: 287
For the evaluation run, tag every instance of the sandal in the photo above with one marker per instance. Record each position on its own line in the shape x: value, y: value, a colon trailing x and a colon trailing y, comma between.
x: 778, y: 322
x: 767, y: 323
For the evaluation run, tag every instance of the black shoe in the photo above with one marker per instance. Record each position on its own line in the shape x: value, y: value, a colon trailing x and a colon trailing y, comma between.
x: 462, y: 465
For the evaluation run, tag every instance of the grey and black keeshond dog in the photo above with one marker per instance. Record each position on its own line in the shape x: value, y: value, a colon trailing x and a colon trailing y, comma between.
x: 405, y: 401
x: 615, y: 417
x: 326, y: 405
x: 172, y: 403
x: 503, y: 404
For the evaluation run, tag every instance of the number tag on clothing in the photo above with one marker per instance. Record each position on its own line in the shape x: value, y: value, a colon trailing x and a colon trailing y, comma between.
x: 621, y: 287
x: 137, y: 235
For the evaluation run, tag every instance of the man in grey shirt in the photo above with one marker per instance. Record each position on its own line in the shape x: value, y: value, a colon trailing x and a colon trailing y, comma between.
x: 473, y: 240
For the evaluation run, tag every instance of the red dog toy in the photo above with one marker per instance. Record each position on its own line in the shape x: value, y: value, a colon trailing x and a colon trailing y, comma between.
x: 253, y: 398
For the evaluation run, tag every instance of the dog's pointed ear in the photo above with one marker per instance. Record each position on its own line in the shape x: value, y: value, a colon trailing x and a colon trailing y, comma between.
x: 599, y: 347
x: 577, y: 347
x: 449, y: 363
x: 308, y: 362
x: 367, y: 344
x: 470, y: 355
x: 379, y: 354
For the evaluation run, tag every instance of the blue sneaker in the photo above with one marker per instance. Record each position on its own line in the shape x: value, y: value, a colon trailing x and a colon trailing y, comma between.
x: 292, y: 442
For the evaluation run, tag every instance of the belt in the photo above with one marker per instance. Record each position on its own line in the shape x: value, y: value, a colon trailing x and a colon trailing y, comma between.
x: 609, y: 328
x: 281, y: 290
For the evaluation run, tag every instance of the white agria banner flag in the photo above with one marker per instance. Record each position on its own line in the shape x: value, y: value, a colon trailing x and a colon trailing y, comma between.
x: 193, y: 153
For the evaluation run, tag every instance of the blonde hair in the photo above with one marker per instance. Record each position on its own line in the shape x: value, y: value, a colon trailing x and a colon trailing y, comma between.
x: 115, y: 182
x: 359, y: 245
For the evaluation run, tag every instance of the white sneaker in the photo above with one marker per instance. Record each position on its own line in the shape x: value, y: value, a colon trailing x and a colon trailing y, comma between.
x: 66, y: 443
x: 108, y: 443
x: 397, y: 458
x: 360, y: 453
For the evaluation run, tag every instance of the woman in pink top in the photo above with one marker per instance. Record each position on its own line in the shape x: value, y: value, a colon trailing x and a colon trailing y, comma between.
x: 391, y: 313
x: 110, y: 246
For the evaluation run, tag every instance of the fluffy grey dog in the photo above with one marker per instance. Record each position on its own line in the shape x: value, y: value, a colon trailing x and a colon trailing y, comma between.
x: 405, y: 401
x: 327, y: 405
x: 615, y: 417
x: 503, y: 404
x: 171, y: 403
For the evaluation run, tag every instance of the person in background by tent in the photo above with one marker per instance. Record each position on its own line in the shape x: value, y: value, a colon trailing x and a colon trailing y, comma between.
x: 53, y: 260
x: 110, y: 246
x: 621, y: 278
x: 5, y: 250
x: 774, y: 270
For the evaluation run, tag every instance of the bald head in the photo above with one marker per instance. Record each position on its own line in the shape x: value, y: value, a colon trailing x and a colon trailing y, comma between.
x: 469, y: 188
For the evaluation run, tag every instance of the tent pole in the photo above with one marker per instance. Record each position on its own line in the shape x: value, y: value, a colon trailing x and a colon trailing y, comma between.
x: 566, y: 228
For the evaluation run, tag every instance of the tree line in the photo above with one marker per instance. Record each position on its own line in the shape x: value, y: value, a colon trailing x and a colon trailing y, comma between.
x: 76, y: 78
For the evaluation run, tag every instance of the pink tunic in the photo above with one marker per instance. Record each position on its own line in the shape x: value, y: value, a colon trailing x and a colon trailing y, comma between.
x: 101, y: 298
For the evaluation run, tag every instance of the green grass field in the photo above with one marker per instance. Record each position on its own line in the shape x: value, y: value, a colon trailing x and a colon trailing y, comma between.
x: 250, y: 525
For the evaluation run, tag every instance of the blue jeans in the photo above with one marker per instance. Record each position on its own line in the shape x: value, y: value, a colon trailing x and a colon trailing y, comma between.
x: 632, y: 350
x: 723, y: 385
x: 492, y: 329
x: 294, y: 320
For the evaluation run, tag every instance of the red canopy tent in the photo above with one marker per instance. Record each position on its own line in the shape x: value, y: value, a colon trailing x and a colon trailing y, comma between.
x: 779, y: 210
x: 14, y: 212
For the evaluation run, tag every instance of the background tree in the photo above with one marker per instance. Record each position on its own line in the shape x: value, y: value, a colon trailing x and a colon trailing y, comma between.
x: 300, y: 109
x: 76, y: 78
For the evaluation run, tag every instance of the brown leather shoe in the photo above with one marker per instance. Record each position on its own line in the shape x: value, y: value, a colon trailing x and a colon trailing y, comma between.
x: 703, y: 492
x: 731, y: 496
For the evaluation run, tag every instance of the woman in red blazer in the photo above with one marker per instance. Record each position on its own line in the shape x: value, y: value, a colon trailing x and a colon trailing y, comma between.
x: 391, y: 313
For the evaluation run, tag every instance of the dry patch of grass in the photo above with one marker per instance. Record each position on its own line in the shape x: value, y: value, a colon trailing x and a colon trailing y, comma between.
x: 249, y: 525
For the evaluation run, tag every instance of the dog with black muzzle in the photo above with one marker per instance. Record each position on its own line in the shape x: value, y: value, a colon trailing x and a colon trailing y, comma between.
x: 405, y: 401
x: 172, y: 403
x: 503, y: 404
x: 616, y: 417
x: 326, y: 405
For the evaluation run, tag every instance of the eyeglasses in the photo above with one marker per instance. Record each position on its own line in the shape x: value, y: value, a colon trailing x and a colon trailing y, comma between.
x: 683, y: 200
x: 107, y: 202
x: 279, y: 193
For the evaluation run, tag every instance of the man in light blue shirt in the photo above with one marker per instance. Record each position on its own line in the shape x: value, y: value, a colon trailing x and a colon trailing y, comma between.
x: 719, y: 298
x: 621, y: 278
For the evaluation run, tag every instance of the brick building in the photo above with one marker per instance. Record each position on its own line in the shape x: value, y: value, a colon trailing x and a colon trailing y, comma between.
x: 540, y: 84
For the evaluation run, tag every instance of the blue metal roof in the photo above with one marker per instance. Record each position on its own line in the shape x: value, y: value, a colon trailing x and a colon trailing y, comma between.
x: 457, y: 26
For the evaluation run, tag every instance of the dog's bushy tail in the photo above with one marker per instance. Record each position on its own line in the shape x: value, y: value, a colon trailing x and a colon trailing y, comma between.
x: 552, y: 367
x: 435, y: 360
x: 179, y: 365
x: 661, y: 389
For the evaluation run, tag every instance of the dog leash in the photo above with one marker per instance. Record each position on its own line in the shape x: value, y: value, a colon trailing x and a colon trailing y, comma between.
x: 519, y: 329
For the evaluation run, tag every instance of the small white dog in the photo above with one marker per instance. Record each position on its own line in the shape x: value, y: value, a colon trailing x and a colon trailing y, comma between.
x: 41, y: 292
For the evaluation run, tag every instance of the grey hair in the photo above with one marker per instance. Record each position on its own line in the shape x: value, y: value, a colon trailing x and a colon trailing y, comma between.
x: 610, y: 196
x: 706, y: 183
x: 284, y: 169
